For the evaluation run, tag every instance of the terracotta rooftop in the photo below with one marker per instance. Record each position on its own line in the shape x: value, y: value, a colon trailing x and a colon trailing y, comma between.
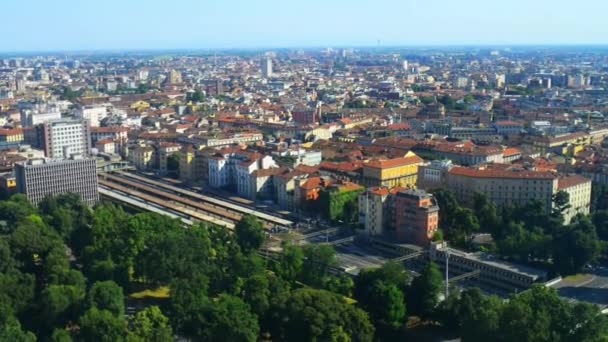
x: 570, y: 181
x: 509, y: 152
x: 502, y: 173
x: 113, y: 129
x: 390, y: 163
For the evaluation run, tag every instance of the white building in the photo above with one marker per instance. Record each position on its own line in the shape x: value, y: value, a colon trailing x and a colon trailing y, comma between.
x: 231, y: 167
x: 38, y: 114
x: 65, y: 137
x: 92, y: 113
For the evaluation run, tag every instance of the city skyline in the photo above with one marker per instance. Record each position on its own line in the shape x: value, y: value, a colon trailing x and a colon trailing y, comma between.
x: 68, y: 25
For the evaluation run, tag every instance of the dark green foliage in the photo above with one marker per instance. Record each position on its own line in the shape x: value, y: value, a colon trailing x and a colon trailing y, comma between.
x: 339, y: 205
x: 317, y: 260
x: 537, y: 315
x: 576, y: 246
x: 317, y: 315
x: 290, y: 263
x: 107, y: 295
x: 102, y: 326
x: 423, y: 294
x: 250, y: 233
x: 150, y: 325
x: 173, y: 162
x: 196, y: 96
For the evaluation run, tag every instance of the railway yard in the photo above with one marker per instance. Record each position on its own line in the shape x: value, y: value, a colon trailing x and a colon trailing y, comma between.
x: 183, y: 203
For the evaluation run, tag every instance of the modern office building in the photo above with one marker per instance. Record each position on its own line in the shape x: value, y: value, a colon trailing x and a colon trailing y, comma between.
x: 64, y: 137
x: 39, y: 178
x: 266, y: 67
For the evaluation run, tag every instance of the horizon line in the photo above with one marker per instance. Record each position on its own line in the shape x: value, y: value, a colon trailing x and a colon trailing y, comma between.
x: 305, y: 47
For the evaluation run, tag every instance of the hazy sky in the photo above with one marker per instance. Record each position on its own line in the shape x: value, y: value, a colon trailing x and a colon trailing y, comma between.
x: 40, y: 25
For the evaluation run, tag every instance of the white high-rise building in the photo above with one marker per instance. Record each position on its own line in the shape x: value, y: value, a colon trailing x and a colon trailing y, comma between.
x: 65, y: 137
x: 266, y: 67
x: 405, y: 65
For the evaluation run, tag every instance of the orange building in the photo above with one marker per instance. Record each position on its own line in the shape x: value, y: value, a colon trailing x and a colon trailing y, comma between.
x: 416, y: 216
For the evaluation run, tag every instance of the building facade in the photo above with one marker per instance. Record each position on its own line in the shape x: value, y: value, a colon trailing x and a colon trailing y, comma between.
x: 416, y: 216
x: 64, y: 137
x: 39, y: 178
x: 398, y: 172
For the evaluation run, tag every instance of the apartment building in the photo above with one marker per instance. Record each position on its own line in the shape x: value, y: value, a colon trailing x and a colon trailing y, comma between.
x: 433, y: 175
x: 63, y: 137
x: 416, y: 216
x: 408, y: 215
x: 39, y: 178
x: 579, y: 192
x: 504, y: 186
x: 232, y: 167
x: 398, y: 172
x: 515, y: 186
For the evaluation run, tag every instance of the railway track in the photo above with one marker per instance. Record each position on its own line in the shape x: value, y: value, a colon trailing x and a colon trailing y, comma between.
x: 162, y: 188
x: 193, y: 214
x: 170, y: 201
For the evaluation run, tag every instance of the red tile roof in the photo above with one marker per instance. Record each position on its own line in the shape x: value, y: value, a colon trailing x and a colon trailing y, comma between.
x: 509, y: 152
x: 493, y: 173
x: 570, y: 181
x: 391, y: 163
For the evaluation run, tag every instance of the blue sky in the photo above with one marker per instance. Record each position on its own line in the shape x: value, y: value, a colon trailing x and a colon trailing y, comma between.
x: 43, y: 25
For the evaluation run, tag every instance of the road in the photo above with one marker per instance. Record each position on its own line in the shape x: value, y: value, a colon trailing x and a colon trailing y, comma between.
x: 591, y: 288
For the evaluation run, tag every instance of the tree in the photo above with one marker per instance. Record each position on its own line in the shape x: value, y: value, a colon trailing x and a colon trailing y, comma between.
x: 576, y: 246
x: 318, y: 315
x: 61, y: 335
x: 291, y: 262
x: 250, y: 233
x: 12, y: 332
x: 390, y: 273
x: 318, y: 258
x: 225, y: 318
x: 600, y: 221
x: 388, y: 308
x: 256, y: 293
x: 151, y: 325
x: 423, y: 294
x: 60, y: 304
x: 188, y: 296
x: 173, y: 162
x: 471, y: 313
x: 107, y: 295
x: 486, y: 213
x: 561, y: 200
x: 102, y: 326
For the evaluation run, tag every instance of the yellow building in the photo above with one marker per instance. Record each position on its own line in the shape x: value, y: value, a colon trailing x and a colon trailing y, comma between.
x: 561, y: 143
x: 14, y: 135
x: 140, y: 106
x: 142, y: 157
x: 391, y: 173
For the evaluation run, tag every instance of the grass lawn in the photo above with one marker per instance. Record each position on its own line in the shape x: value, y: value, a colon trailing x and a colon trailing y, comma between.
x: 159, y: 293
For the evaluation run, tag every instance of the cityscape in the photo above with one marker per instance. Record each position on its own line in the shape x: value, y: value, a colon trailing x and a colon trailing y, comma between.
x: 297, y: 192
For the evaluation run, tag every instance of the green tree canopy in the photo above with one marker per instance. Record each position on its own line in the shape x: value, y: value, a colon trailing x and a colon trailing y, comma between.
x: 107, y: 295
x: 250, y: 233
